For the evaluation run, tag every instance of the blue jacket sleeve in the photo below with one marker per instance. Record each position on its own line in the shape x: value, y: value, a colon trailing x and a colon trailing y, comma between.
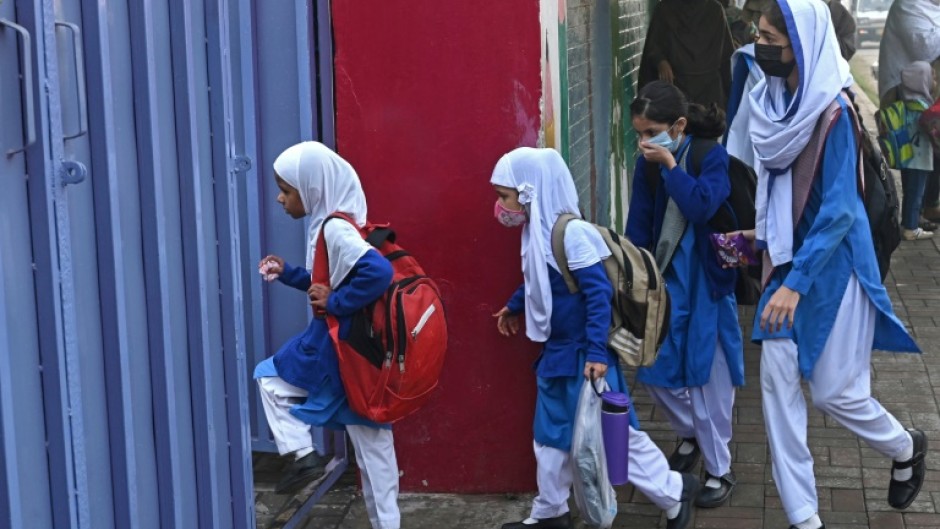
x: 837, y: 210
x: 295, y: 276
x: 596, y: 292
x: 642, y: 206
x: 700, y: 197
x: 367, y: 281
x: 517, y: 301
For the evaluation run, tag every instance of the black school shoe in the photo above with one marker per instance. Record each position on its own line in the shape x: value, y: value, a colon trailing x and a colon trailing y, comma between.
x: 690, y: 488
x: 710, y: 498
x: 299, y: 473
x: 901, y: 494
x: 558, y: 522
x: 823, y: 526
x: 684, y: 463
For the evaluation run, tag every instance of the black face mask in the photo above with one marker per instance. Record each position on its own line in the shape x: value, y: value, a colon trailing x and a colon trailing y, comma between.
x: 768, y: 58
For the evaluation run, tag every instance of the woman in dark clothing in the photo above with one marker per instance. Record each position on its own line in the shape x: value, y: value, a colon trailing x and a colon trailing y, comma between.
x: 689, y: 45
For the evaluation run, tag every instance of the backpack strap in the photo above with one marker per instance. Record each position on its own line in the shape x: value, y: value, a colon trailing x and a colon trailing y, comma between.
x: 558, y: 249
x: 699, y: 150
x: 860, y: 150
x: 321, y: 259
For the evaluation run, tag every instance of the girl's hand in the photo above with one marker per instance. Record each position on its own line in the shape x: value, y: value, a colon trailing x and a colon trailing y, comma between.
x: 750, y: 236
x: 506, y: 322
x: 782, y: 305
x: 275, y: 265
x: 599, y: 370
x: 658, y: 154
x: 318, y: 295
x: 665, y: 72
x: 271, y: 267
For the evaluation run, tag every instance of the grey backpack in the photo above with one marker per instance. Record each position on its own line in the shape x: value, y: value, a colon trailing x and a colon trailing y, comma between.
x: 640, y: 307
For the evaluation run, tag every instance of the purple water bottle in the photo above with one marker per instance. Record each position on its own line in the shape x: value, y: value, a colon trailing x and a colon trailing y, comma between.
x: 615, y: 423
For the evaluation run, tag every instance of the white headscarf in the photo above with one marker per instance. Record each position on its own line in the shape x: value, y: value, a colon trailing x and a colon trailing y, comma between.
x: 327, y: 184
x: 780, y: 131
x: 546, y: 190
x: 739, y: 137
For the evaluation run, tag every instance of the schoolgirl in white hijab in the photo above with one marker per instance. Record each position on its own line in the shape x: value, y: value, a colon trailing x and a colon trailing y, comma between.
x: 326, y: 184
x: 300, y: 385
x: 547, y: 191
x: 824, y: 308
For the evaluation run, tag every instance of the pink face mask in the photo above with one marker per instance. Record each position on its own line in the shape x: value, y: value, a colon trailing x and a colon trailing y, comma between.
x: 508, y: 217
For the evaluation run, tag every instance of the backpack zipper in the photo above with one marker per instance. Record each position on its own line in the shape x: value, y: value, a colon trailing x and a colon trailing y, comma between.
x: 422, y: 322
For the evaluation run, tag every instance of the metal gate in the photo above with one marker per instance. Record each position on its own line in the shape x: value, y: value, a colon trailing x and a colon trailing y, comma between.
x: 136, y: 199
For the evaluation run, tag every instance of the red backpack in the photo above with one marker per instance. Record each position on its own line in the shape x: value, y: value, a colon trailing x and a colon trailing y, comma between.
x: 930, y: 124
x: 391, y: 359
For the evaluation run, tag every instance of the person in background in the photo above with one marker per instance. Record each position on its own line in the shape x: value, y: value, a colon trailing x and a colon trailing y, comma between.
x: 689, y: 45
x: 917, y: 86
x: 741, y: 32
x: 912, y: 33
x: 844, y: 24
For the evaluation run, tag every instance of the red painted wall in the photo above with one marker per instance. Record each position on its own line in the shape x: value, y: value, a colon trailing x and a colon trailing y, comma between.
x: 429, y: 95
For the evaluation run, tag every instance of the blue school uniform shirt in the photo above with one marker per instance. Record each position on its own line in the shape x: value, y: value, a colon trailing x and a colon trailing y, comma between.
x: 703, y: 309
x: 832, y: 241
x: 580, y: 323
x: 309, y: 360
x: 579, y: 326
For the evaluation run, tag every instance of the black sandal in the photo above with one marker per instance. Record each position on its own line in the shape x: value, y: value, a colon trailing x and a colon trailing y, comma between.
x: 901, y: 494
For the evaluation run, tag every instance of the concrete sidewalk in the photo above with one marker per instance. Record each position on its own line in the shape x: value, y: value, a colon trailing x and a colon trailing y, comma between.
x: 852, y: 479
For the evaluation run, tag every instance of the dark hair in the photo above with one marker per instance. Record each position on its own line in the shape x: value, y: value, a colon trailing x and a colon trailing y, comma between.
x: 663, y: 102
x: 774, y: 16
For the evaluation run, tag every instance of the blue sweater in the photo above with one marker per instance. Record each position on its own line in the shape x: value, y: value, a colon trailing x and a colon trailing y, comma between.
x: 309, y: 359
x: 580, y: 322
x: 698, y: 198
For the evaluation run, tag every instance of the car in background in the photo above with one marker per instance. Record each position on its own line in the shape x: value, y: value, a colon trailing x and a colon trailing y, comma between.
x: 870, y: 16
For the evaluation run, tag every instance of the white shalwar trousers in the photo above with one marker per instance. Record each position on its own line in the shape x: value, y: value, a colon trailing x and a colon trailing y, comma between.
x: 840, y: 387
x: 277, y: 396
x: 375, y: 453
x: 648, y: 472
x: 374, y: 447
x: 704, y: 413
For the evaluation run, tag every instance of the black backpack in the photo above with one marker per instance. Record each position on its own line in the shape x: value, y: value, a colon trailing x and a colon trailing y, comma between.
x: 737, y: 213
x: 881, y: 200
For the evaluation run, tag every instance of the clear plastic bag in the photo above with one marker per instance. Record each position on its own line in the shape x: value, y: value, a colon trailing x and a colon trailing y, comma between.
x: 593, y: 493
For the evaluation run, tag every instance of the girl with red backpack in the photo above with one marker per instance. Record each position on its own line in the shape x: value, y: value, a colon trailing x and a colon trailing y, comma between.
x: 535, y: 188
x: 300, y: 385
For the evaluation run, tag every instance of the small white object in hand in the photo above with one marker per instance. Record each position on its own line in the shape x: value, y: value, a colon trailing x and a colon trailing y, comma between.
x: 265, y: 270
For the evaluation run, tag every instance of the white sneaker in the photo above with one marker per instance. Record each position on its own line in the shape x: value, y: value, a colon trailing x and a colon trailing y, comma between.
x: 917, y: 234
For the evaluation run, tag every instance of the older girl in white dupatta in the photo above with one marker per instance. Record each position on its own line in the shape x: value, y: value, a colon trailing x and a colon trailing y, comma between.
x: 824, y: 307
